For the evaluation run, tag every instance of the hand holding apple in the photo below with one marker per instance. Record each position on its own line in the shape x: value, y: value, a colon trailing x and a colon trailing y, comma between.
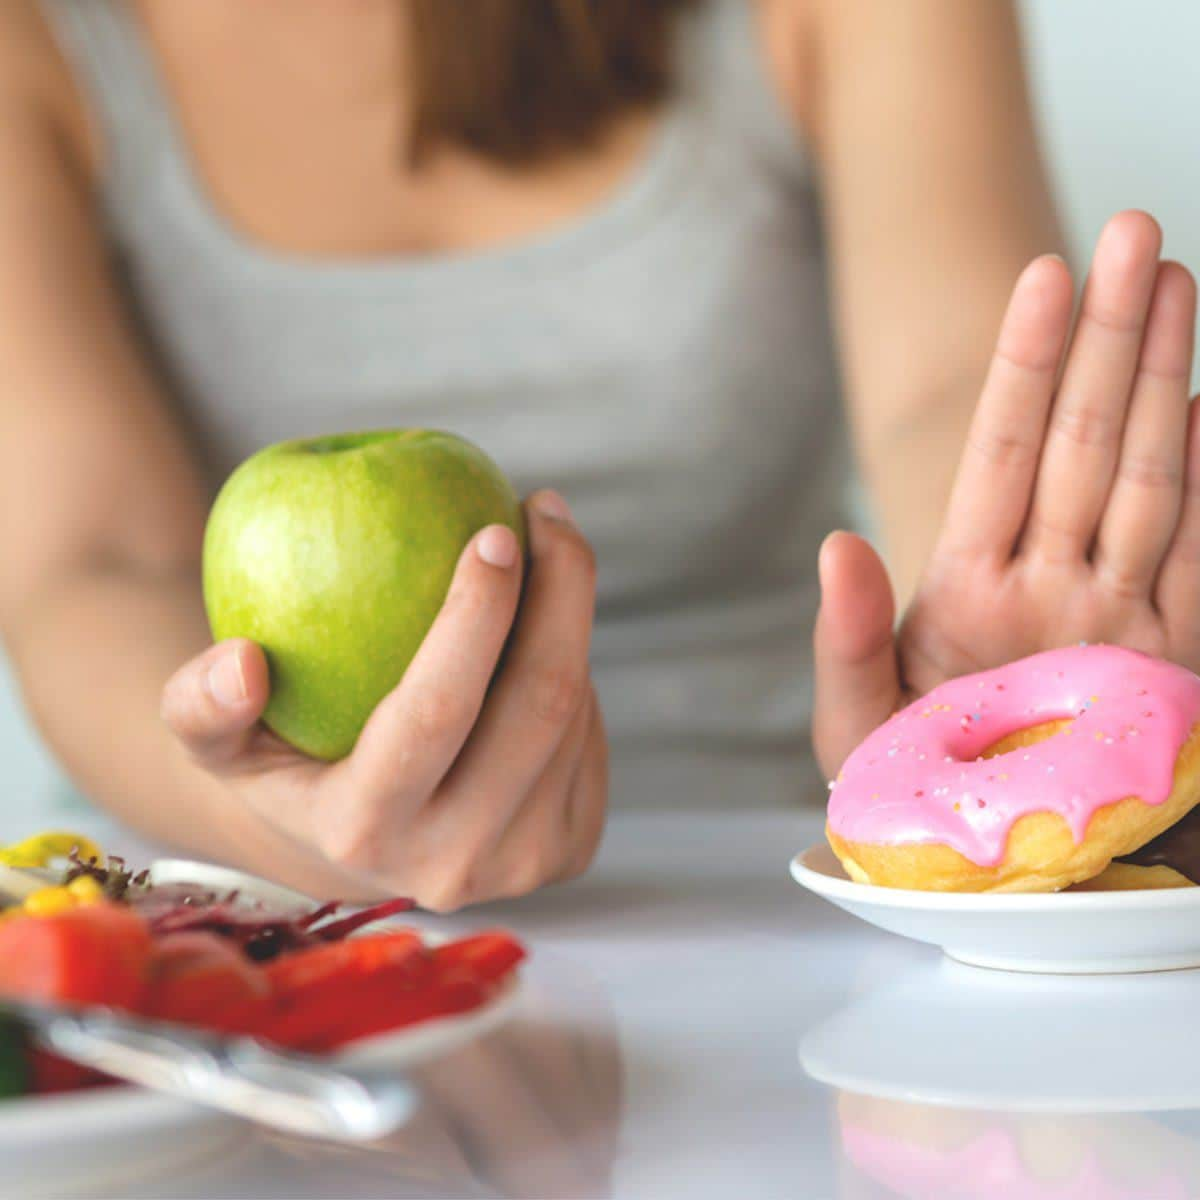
x: 334, y: 554
x: 467, y: 783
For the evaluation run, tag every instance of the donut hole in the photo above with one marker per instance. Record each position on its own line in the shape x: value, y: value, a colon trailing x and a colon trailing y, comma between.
x: 1021, y: 738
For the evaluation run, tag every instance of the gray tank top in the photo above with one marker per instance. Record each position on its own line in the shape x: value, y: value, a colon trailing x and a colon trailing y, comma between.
x: 665, y: 360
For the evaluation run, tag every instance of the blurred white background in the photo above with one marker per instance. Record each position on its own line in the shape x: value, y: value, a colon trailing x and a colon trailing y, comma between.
x: 1117, y: 87
x: 1118, y: 90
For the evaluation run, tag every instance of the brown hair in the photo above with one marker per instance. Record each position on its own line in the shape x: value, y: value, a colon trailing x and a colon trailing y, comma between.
x: 519, y: 80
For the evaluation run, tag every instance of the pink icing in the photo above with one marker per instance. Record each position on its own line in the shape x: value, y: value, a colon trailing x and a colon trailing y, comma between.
x: 991, y: 1167
x: 919, y: 778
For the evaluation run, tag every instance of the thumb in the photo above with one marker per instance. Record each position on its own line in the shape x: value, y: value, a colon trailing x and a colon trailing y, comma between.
x: 857, y: 685
x: 212, y: 704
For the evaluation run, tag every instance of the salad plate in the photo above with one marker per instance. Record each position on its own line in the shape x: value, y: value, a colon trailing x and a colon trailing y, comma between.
x: 97, y: 1139
x: 407, y: 1047
x: 1072, y: 933
x: 226, y: 879
x: 101, y: 1140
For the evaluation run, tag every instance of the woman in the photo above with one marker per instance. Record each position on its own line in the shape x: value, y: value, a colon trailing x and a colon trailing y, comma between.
x: 586, y: 236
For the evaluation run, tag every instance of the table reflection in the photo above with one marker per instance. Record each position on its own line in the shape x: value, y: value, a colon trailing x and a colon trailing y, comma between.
x: 953, y: 1083
x: 529, y: 1111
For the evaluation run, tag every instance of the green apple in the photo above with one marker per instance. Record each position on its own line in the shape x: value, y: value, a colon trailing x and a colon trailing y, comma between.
x: 334, y: 554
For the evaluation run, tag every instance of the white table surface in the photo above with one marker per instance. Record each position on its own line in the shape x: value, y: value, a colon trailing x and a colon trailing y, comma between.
x: 671, y: 998
x: 675, y: 997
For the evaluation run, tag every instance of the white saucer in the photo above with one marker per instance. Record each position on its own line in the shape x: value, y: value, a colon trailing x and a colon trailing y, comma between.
x: 1071, y: 933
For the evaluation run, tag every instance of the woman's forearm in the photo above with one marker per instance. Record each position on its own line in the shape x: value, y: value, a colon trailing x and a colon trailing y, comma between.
x: 935, y: 199
x: 92, y: 651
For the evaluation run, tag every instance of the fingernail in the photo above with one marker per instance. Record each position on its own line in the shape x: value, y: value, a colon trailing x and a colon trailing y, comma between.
x: 551, y: 504
x: 226, y: 680
x: 497, y: 546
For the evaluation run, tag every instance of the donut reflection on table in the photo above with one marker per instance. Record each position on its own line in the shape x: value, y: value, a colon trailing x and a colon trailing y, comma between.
x: 954, y: 1083
x: 928, y: 1153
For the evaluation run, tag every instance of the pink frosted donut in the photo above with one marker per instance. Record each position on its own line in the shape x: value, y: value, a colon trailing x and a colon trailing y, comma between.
x: 1028, y: 777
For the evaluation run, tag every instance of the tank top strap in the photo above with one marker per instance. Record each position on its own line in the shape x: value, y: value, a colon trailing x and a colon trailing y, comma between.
x: 112, y: 65
x: 725, y: 66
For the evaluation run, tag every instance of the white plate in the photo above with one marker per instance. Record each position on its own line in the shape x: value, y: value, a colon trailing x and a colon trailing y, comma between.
x: 1072, y: 933
x: 100, y: 1142
x: 94, y: 1141
x: 226, y: 879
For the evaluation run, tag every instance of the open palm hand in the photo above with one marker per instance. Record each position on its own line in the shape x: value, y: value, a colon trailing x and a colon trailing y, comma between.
x: 1075, y: 514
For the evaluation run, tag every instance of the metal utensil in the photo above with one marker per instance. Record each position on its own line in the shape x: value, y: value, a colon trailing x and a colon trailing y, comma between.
x: 239, y: 1075
x: 18, y: 882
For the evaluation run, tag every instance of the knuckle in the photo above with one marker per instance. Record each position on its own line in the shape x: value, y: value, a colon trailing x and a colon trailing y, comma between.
x: 524, y: 880
x: 1057, y: 542
x: 556, y: 691
x: 171, y: 709
x: 1002, y: 449
x: 438, y: 715
x: 179, y: 701
x: 583, y: 859
x: 449, y: 890
x: 469, y: 592
x: 1122, y: 581
x: 1150, y: 471
x: 352, y: 844
x: 537, y: 866
x: 1111, y: 318
x: 1087, y: 427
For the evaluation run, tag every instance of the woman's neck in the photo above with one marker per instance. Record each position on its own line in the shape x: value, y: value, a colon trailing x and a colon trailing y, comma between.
x: 348, y: 51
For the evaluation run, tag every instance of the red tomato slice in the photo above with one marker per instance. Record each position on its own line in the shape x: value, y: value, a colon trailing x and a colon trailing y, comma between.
x: 355, y: 958
x: 321, y: 989
x: 199, y: 978
x: 385, y: 1002
x: 96, y: 954
x: 484, y: 956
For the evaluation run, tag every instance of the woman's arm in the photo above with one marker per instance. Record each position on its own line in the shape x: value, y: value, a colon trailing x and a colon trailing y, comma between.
x: 468, y: 782
x: 101, y: 508
x: 935, y: 200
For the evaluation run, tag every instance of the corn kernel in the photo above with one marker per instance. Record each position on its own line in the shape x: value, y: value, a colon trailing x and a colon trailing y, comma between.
x: 47, y: 901
x: 86, y: 890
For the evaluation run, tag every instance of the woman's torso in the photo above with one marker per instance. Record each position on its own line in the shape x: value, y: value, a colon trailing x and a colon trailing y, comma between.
x: 664, y: 359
